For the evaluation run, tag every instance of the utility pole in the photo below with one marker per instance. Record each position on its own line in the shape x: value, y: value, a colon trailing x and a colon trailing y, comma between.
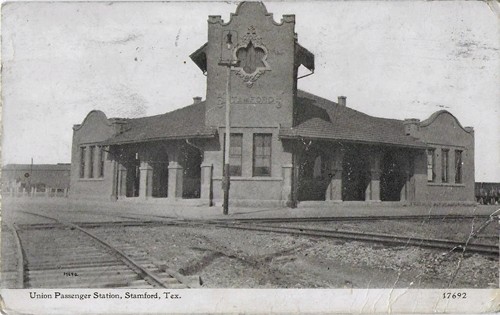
x: 227, y: 179
x: 228, y: 63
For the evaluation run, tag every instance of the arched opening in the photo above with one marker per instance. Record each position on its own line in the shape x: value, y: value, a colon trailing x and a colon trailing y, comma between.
x: 191, y: 159
x: 160, y: 177
x: 355, y: 176
x: 313, y: 175
x: 133, y: 176
x: 392, y: 178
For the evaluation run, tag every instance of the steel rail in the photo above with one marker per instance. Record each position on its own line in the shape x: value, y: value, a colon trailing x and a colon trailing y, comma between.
x: 19, y: 255
x: 484, y: 249
x: 343, y: 234
x: 42, y: 226
x: 355, y: 218
x: 144, y: 219
x: 142, y: 272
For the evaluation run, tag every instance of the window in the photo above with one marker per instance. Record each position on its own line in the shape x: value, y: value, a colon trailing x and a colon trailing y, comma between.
x: 83, y: 152
x: 262, y: 154
x: 431, y: 165
x: 444, y: 165
x: 91, y: 162
x: 458, y: 166
x: 101, y: 161
x: 235, y: 153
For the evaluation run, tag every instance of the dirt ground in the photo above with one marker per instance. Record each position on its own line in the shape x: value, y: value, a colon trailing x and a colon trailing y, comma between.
x: 227, y: 258
x: 474, y: 230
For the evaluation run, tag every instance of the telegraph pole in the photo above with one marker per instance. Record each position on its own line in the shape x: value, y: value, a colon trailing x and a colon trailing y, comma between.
x: 227, y: 178
x: 228, y: 63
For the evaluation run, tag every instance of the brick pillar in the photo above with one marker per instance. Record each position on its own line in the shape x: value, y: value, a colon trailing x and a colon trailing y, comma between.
x: 175, y: 176
x: 146, y: 180
x: 411, y: 178
x: 334, y: 190
x: 206, y: 182
x: 373, y: 189
x: 407, y: 165
x: 404, y: 196
x: 286, y: 187
x: 114, y: 179
x: 122, y: 180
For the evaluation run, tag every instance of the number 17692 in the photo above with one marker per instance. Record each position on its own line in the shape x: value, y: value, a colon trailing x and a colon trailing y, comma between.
x: 454, y: 295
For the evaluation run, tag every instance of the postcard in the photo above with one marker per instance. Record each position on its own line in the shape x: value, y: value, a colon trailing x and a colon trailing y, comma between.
x: 275, y: 157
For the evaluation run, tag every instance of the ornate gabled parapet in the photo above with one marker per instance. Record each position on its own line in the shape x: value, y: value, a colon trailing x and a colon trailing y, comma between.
x: 212, y: 19
x: 259, y: 57
x: 288, y: 18
x: 256, y: 8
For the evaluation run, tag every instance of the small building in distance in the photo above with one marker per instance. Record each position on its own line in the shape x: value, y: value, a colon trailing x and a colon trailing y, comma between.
x: 39, y: 176
x: 287, y: 146
x: 487, y: 193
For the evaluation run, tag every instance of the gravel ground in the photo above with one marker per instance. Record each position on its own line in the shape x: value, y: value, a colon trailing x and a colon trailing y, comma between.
x: 226, y: 258
x: 450, y: 229
x: 8, y: 255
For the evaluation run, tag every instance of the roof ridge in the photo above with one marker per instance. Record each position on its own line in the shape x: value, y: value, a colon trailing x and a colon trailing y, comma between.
x: 348, y: 108
x: 315, y: 96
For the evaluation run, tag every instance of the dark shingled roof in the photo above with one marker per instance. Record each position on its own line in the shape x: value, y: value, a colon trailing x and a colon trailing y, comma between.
x: 318, y: 118
x: 186, y: 122
x: 324, y: 119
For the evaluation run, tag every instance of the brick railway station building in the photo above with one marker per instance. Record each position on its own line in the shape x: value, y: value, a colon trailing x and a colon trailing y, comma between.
x: 287, y: 145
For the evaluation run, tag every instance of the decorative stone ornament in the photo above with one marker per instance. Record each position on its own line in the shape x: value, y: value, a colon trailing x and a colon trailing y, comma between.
x: 251, y: 55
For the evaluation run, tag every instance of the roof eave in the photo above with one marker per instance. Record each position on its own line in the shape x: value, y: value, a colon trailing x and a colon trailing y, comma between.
x: 304, y: 57
x: 199, y: 57
x: 179, y: 137
x: 298, y: 137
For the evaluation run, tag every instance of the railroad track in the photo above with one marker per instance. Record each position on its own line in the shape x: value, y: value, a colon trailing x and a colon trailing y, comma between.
x: 387, y: 239
x: 73, y: 257
x: 355, y: 218
x: 152, y: 219
x: 259, y: 224
x: 113, y: 273
x: 55, y: 225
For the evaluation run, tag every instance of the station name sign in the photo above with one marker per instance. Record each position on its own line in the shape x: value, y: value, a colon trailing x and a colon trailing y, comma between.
x: 264, y: 99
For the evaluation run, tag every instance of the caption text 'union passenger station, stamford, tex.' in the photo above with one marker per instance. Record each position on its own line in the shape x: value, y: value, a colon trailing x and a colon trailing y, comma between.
x: 286, y: 145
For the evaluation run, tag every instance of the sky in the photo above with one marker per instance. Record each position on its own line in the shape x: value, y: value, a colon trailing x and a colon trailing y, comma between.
x: 401, y: 59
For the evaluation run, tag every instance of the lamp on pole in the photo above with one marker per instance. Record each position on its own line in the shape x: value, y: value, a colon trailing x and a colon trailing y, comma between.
x: 227, y: 51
